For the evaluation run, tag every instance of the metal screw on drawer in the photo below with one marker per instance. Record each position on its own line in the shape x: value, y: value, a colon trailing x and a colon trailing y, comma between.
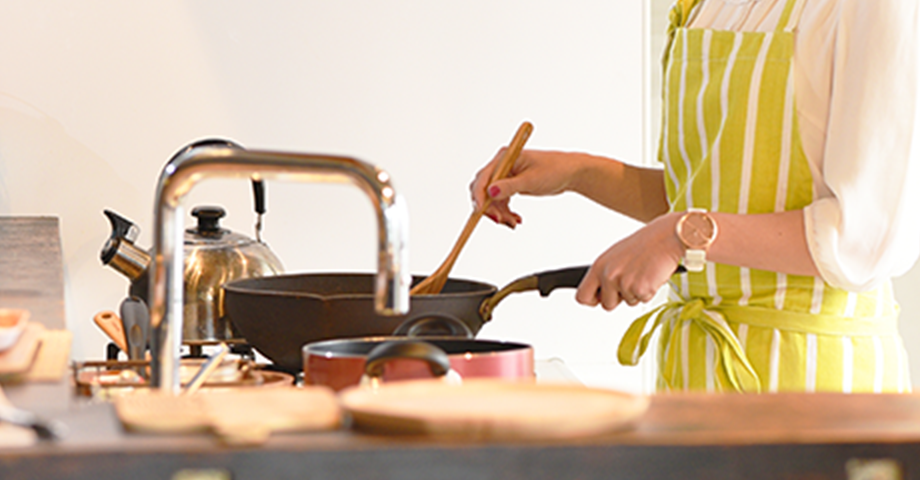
x: 874, y: 469
x: 202, y: 474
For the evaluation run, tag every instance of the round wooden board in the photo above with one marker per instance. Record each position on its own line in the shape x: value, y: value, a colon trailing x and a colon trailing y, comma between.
x: 239, y: 416
x: 485, y: 408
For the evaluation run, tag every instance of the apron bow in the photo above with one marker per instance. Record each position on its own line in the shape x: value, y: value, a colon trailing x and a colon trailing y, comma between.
x: 730, y: 358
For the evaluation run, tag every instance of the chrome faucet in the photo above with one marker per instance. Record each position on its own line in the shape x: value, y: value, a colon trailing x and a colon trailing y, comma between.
x: 214, y: 160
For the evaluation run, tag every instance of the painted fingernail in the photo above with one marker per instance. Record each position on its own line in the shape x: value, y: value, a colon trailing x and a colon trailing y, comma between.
x: 494, y: 191
x: 492, y: 217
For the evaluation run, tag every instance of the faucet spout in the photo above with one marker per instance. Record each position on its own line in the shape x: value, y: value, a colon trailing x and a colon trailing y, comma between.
x: 199, y: 162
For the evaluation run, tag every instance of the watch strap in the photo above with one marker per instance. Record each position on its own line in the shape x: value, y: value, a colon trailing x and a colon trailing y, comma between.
x: 695, y: 260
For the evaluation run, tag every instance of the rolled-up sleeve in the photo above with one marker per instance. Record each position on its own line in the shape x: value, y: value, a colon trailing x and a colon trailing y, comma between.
x: 866, y: 227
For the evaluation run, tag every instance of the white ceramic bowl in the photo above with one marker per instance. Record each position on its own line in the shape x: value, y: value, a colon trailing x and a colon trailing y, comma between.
x: 12, y: 323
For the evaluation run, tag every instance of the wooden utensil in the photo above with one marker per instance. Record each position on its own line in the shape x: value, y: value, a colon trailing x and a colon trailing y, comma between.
x: 435, y: 282
x: 207, y: 369
x: 492, y: 409
x: 135, y: 320
x: 110, y: 324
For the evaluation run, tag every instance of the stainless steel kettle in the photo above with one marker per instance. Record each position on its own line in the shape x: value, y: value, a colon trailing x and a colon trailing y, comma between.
x: 213, y: 257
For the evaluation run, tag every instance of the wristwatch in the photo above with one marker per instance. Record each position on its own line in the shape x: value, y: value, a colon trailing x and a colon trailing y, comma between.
x: 696, y: 230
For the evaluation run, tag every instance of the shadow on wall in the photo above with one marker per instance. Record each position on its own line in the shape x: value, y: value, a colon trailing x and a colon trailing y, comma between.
x: 45, y: 171
x: 38, y: 155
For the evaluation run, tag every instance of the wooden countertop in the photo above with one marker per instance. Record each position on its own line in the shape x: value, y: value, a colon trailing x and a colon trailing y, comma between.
x: 681, y: 436
x: 796, y: 436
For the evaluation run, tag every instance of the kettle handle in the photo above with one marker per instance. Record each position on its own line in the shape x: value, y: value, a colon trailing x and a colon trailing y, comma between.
x: 258, y: 185
x: 258, y: 195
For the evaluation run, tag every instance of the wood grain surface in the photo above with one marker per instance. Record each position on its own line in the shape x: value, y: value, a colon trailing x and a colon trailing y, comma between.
x: 53, y: 357
x: 32, y: 268
x: 492, y: 409
x: 239, y: 416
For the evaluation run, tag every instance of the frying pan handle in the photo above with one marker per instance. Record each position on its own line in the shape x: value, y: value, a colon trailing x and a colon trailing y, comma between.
x: 544, y: 282
x: 436, y: 358
x: 433, y: 324
x: 564, y: 278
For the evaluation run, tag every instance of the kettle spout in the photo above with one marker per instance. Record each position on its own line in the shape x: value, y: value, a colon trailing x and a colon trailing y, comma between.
x: 119, y: 251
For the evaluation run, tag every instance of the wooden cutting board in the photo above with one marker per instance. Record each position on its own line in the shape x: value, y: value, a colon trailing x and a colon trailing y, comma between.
x: 491, y: 409
x: 18, y: 358
x: 238, y: 417
x: 51, y: 361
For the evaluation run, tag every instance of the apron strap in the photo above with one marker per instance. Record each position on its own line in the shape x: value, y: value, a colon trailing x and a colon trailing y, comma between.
x: 678, y: 17
x: 792, y: 13
x: 731, y: 359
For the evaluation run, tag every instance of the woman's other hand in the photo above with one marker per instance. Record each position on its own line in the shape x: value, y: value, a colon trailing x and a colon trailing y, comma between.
x: 633, y: 269
x: 535, y: 172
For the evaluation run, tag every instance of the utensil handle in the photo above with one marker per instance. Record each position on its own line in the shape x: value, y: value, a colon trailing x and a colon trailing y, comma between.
x: 110, y: 324
x: 511, y: 155
x: 435, y: 282
x: 207, y: 369
x: 501, y: 171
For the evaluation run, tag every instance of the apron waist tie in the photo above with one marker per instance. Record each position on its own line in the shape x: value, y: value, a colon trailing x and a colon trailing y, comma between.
x: 730, y: 356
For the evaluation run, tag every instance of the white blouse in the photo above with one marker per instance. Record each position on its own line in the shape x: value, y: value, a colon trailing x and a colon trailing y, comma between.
x: 856, y: 90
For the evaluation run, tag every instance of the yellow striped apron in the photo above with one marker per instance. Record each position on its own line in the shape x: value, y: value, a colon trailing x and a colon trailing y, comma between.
x: 730, y: 143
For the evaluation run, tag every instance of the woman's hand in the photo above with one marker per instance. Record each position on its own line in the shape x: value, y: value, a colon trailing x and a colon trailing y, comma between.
x: 633, y: 269
x: 534, y: 173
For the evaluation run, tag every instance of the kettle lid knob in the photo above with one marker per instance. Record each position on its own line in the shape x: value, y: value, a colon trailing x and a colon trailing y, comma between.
x: 208, y: 218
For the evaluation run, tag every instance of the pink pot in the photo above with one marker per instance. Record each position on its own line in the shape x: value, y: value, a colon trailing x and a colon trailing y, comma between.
x: 342, y: 363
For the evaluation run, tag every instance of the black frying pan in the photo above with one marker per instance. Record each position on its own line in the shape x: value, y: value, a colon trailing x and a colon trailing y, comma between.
x: 280, y: 314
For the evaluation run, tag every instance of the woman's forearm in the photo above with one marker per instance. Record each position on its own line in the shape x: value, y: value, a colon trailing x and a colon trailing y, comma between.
x: 773, y: 241
x: 634, y: 268
x: 636, y: 192
x: 770, y: 241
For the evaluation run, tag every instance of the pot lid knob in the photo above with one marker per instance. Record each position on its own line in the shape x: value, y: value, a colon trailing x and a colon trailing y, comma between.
x: 208, y: 218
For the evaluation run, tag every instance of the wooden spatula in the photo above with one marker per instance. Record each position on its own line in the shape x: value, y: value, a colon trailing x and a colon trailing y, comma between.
x: 435, y: 282
x: 109, y: 322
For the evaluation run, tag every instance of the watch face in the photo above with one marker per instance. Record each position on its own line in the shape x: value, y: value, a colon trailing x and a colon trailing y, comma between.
x: 697, y: 230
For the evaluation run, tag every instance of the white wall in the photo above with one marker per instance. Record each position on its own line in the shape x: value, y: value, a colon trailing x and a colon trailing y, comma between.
x: 95, y: 96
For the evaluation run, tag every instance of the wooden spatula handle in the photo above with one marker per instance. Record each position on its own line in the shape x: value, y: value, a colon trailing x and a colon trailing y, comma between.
x: 501, y: 171
x: 109, y: 322
x: 511, y: 154
x: 435, y: 282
